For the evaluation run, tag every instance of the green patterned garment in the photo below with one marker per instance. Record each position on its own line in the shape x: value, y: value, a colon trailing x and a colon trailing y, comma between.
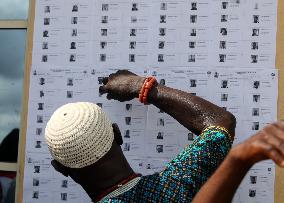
x: 183, y: 176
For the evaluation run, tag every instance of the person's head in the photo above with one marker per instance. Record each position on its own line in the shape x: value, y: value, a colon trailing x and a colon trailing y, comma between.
x: 83, y: 142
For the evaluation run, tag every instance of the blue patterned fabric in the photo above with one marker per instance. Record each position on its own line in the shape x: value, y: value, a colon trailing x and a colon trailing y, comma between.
x: 183, y: 176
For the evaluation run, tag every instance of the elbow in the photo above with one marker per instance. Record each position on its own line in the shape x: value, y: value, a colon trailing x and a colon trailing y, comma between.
x: 231, y: 120
x: 230, y: 123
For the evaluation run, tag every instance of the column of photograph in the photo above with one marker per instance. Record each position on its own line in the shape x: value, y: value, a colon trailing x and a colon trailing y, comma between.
x: 162, y: 31
x: 35, y: 143
x: 223, y: 32
x: 166, y: 29
x: 262, y: 99
x: 255, y: 110
x: 133, y: 31
x: 259, y: 110
x: 135, y: 40
x: 35, y: 139
x: 228, y: 23
x: 193, y: 20
x: 195, y: 33
x: 74, y: 33
x: 156, y: 130
x: 261, y: 35
x: 38, y: 157
x: 137, y: 21
x: 45, y: 33
x: 255, y: 42
x: 50, y: 28
x: 76, y: 41
x: 254, y: 21
x: 107, y: 35
x: 103, y: 21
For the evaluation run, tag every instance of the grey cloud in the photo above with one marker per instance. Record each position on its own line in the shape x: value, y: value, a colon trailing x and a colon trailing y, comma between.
x: 12, y: 53
x: 14, y: 9
x: 10, y: 93
x: 10, y: 105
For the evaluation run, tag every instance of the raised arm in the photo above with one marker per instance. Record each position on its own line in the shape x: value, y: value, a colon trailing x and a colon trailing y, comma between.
x: 191, y: 111
x: 267, y: 144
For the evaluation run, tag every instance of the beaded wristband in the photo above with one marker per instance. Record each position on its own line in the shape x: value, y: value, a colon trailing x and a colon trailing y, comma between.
x: 147, y: 86
x: 142, y: 90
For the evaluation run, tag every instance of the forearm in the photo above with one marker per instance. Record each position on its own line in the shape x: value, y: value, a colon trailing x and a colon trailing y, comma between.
x: 191, y: 111
x: 223, y: 184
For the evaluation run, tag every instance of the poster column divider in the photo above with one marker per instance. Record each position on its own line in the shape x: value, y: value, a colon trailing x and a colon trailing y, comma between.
x: 279, y: 177
x: 25, y: 101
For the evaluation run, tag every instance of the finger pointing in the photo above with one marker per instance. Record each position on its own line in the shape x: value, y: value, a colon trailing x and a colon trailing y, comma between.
x: 102, y: 90
x: 109, y: 97
x: 105, y: 80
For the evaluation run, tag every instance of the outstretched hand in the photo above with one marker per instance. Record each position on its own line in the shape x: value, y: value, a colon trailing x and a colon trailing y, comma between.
x: 266, y: 144
x: 122, y: 85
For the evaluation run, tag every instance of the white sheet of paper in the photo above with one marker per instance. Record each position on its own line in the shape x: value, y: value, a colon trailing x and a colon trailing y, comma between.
x: 210, y: 49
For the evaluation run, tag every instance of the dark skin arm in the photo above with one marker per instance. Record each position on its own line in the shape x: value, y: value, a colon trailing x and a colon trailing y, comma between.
x: 191, y: 111
x: 266, y: 144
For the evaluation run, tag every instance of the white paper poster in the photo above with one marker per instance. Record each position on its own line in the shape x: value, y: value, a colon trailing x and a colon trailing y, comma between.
x: 220, y: 50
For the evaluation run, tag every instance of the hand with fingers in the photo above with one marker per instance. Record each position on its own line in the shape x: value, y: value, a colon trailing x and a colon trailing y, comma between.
x: 266, y: 144
x: 122, y: 85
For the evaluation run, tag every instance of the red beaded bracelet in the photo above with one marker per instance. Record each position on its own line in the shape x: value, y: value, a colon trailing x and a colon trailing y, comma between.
x: 147, y: 86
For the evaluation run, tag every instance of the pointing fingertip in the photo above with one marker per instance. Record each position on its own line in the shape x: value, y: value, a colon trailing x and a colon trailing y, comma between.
x: 105, y: 80
x: 101, y: 89
x: 108, y: 97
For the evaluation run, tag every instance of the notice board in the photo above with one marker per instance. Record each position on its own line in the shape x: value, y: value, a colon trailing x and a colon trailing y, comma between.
x: 159, y: 57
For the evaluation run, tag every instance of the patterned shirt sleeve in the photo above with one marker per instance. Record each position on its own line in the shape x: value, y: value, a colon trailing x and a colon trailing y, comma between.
x: 198, y: 161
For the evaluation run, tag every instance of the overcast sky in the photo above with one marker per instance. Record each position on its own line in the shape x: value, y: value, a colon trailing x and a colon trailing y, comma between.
x: 12, y: 49
x: 12, y: 54
x: 13, y: 9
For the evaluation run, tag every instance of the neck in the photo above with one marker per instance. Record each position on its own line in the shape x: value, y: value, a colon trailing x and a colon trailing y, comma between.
x: 111, y: 170
x: 101, y: 182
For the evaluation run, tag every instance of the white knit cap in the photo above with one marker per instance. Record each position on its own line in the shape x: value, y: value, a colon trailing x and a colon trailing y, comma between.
x: 79, y: 134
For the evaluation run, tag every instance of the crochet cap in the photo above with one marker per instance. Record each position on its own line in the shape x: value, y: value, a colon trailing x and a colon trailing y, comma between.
x: 79, y: 134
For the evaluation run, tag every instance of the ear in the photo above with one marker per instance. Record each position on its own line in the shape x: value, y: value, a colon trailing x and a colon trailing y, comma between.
x: 117, y: 134
x: 59, y: 168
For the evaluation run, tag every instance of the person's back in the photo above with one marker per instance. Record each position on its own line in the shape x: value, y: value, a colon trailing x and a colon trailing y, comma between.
x: 86, y: 145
